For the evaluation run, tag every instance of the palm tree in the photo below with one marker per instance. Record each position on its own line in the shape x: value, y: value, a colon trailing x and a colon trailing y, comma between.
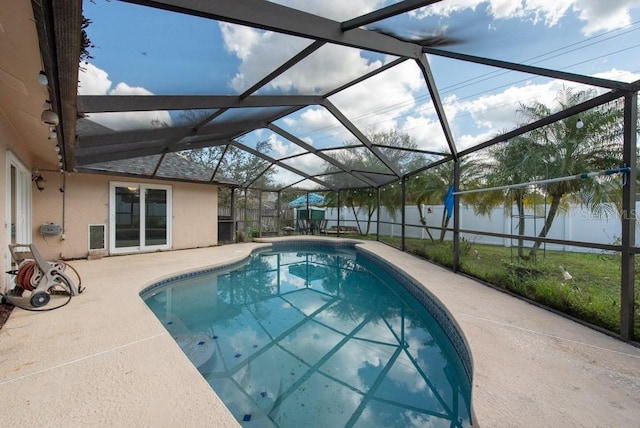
x: 514, y: 162
x: 563, y: 149
x: 431, y: 186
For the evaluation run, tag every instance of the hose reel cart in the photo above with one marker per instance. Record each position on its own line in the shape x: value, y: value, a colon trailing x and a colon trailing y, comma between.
x: 41, y: 277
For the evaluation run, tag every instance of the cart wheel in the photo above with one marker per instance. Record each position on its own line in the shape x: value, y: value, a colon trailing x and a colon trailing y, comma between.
x: 39, y: 299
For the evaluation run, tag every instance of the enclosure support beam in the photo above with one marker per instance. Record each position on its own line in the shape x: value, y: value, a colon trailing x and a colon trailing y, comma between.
x: 423, y: 64
x: 627, y: 297
x: 339, y: 207
x: 234, y: 222
x: 403, y: 187
x: 260, y: 213
x: 456, y: 216
x: 279, y: 218
x: 378, y: 195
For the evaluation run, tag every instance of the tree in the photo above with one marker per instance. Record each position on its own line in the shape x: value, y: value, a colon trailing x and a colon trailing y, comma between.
x: 398, y: 148
x: 562, y: 149
x: 230, y: 163
x: 431, y: 187
x: 514, y: 162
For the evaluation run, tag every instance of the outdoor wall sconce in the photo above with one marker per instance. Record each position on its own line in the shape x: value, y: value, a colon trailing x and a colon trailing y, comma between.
x: 42, y: 78
x: 50, y: 117
x: 39, y: 180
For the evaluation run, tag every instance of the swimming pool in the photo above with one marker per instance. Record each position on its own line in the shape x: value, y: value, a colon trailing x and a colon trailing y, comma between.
x: 309, y: 334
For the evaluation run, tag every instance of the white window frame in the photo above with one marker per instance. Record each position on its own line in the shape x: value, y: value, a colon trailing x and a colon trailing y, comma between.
x: 23, y: 206
x: 112, y: 218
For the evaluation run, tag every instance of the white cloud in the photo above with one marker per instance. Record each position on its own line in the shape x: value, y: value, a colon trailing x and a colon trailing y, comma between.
x: 317, y: 118
x: 324, y: 70
x: 500, y: 110
x: 124, y: 89
x: 280, y: 148
x: 619, y: 75
x: 465, y: 141
x: 426, y: 132
x: 92, y: 80
x: 338, y: 10
x: 261, y: 52
x: 379, y: 102
x: 445, y: 8
x: 473, y: 121
x: 95, y: 81
x: 598, y: 15
x: 604, y: 15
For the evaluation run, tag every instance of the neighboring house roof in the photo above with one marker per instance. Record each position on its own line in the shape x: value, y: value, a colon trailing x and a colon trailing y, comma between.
x: 172, y: 166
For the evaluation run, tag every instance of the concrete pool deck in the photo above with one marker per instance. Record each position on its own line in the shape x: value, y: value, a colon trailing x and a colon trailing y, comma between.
x: 105, y: 360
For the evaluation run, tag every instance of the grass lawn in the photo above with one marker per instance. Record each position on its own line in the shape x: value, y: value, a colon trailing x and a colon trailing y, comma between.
x: 592, y: 294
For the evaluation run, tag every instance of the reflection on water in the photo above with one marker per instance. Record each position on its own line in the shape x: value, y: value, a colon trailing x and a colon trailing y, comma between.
x: 298, y: 339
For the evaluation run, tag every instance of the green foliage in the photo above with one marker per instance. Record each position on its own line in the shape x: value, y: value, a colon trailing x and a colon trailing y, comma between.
x: 592, y: 294
x: 557, y: 150
x: 391, y: 151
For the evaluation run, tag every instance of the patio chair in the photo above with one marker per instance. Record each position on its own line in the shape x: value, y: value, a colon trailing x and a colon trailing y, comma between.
x: 303, y: 226
x: 322, y: 227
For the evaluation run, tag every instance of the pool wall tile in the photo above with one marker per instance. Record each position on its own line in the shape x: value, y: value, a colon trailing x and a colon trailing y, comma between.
x: 432, y: 304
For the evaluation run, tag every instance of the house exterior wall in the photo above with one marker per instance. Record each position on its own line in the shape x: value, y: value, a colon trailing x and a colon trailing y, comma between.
x: 76, y: 200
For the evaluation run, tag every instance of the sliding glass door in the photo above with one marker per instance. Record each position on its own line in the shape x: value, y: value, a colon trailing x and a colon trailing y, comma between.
x: 140, y: 217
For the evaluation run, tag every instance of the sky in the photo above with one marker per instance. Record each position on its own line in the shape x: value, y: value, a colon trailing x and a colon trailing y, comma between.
x: 142, y: 51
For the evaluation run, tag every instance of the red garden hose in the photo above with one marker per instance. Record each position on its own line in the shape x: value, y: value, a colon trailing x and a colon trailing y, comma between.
x: 25, y: 273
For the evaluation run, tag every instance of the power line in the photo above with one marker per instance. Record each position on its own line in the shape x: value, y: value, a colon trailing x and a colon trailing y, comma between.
x: 494, y: 74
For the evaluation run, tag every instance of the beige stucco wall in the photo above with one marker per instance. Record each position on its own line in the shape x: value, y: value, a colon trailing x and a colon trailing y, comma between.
x: 195, y: 215
x: 76, y: 200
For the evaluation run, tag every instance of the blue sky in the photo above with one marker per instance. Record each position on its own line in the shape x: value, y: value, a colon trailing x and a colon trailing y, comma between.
x: 144, y: 51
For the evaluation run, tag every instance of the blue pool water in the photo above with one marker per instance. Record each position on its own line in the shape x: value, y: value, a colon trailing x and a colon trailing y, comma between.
x: 323, y: 338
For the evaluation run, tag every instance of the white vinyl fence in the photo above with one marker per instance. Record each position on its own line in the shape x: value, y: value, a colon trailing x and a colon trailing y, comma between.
x: 577, y: 224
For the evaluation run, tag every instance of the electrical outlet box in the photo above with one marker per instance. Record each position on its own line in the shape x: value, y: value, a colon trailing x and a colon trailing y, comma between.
x: 50, y: 229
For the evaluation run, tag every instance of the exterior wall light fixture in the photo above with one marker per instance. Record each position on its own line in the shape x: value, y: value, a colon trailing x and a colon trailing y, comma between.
x: 39, y: 180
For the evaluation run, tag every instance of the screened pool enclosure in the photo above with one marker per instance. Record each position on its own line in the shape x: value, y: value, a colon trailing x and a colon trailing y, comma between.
x: 526, y: 117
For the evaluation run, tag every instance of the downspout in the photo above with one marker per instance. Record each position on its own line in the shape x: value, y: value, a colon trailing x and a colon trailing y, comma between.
x: 64, y: 203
